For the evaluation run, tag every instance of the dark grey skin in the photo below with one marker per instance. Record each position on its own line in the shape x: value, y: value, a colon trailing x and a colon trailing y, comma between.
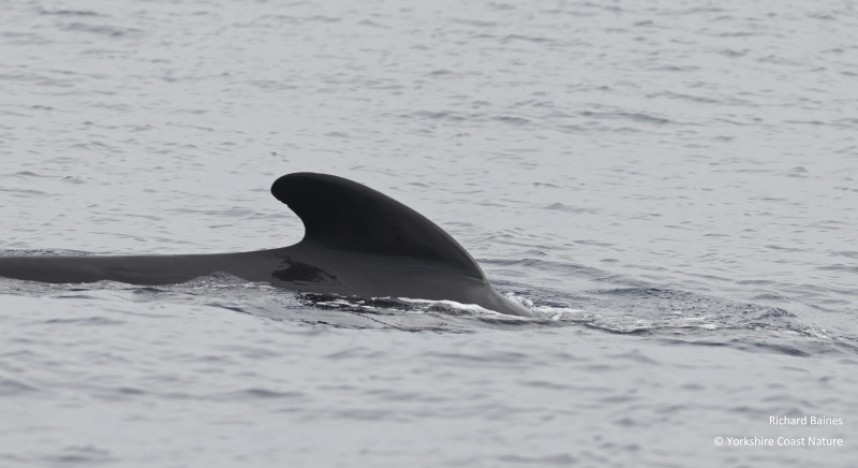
x: 358, y: 242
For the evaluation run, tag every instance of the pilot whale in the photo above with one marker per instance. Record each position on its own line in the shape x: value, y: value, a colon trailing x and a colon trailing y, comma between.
x: 357, y: 242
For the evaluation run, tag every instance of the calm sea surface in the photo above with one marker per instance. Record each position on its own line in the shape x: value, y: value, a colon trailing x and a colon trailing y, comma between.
x: 671, y: 186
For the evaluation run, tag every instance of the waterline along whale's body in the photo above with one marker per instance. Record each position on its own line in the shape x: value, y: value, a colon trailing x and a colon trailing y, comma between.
x: 357, y: 242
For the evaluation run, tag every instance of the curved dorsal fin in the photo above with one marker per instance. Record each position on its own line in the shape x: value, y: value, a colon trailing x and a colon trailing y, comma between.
x: 344, y: 215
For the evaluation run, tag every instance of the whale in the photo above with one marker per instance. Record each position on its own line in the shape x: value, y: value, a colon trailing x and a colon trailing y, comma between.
x: 357, y: 242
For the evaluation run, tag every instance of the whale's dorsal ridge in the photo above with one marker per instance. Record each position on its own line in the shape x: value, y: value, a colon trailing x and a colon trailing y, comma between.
x: 357, y: 242
x: 341, y: 214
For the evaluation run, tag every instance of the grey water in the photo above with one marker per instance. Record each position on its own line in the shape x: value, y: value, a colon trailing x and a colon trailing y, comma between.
x: 671, y: 187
